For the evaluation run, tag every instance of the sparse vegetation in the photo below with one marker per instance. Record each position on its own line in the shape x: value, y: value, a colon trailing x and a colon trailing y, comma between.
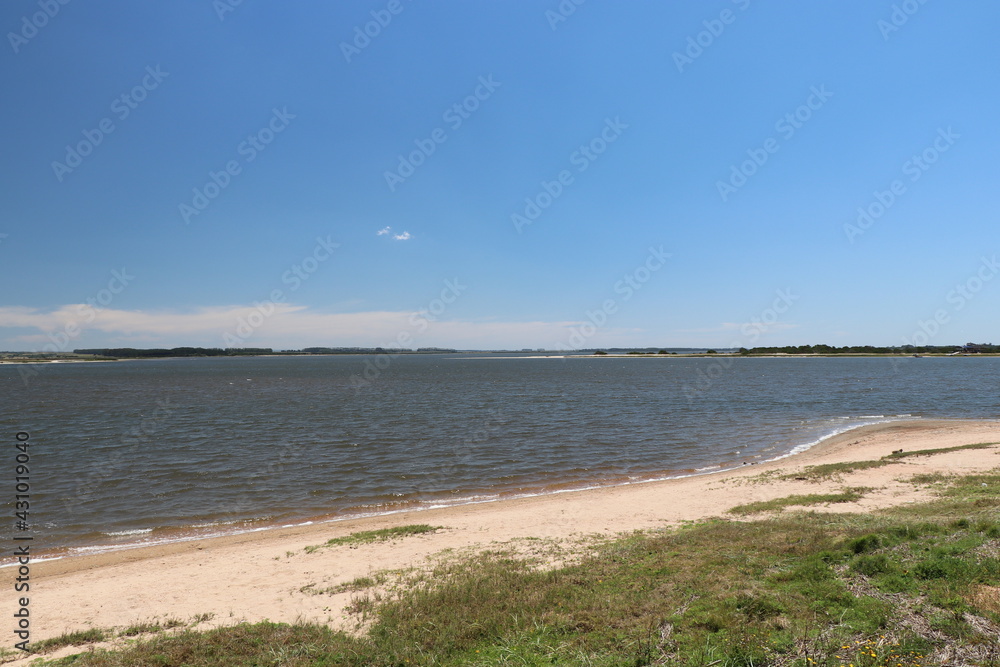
x: 907, y: 586
x: 382, y: 535
x: 943, y: 450
x: 77, y: 638
x: 779, y: 504
x: 928, y: 478
x: 833, y: 471
x: 140, y: 629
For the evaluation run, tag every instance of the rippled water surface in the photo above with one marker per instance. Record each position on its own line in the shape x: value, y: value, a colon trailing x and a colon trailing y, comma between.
x: 151, y: 450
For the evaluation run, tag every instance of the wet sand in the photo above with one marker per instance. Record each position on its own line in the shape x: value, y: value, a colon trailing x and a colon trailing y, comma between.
x: 257, y: 576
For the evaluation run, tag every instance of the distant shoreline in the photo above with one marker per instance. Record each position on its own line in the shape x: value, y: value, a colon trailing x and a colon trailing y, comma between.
x: 538, y: 355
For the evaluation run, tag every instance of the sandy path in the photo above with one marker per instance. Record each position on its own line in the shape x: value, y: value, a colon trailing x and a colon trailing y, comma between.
x: 251, y: 577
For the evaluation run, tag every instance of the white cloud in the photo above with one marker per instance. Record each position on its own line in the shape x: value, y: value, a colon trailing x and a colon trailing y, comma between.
x: 287, y: 326
x: 405, y: 236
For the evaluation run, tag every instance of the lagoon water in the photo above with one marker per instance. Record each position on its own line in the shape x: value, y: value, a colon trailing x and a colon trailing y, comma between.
x: 136, y: 452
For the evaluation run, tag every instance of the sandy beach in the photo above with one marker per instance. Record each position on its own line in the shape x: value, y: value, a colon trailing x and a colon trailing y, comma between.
x: 259, y: 576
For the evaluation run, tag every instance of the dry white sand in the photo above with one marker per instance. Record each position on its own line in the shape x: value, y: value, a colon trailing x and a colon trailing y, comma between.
x: 251, y: 577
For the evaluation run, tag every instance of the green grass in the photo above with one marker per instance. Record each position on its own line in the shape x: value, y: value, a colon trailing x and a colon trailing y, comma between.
x: 779, y: 504
x: 928, y: 478
x: 359, y: 584
x: 382, y: 535
x: 942, y: 450
x: 830, y: 471
x: 140, y: 629
x: 70, y: 639
x: 834, y: 471
x: 913, y: 585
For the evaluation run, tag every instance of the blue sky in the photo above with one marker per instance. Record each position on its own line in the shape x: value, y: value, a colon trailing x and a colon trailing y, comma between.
x: 498, y: 174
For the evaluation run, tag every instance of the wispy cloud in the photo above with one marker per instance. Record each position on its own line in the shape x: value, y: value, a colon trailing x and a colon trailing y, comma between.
x: 404, y: 236
x: 288, y: 326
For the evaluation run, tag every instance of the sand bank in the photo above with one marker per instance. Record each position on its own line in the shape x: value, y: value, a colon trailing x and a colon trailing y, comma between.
x: 260, y: 575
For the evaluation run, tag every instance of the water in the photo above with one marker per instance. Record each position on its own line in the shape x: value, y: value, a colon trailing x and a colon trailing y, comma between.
x: 148, y: 451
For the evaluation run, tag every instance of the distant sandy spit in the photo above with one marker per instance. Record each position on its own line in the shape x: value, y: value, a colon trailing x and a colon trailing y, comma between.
x: 257, y: 576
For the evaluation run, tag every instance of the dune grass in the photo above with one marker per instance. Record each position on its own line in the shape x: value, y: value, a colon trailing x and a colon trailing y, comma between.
x: 77, y: 638
x: 834, y: 471
x: 914, y: 585
x: 941, y: 450
x: 778, y: 504
x: 381, y: 535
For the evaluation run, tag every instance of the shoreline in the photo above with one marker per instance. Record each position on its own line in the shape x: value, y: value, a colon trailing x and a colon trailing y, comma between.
x: 554, y: 354
x: 264, y: 574
x: 163, y: 536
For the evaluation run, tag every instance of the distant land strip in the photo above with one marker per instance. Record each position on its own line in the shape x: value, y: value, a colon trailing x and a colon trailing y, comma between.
x: 110, y: 354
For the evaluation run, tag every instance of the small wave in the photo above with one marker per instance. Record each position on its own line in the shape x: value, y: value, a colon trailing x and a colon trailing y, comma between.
x: 850, y: 426
x: 33, y: 560
x: 212, y: 524
x: 126, y: 533
x: 834, y: 426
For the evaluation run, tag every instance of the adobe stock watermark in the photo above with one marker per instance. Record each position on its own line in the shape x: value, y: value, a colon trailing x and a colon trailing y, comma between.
x: 31, y: 25
x: 786, y: 126
x: 290, y: 452
x: 139, y: 435
x: 627, y: 287
x: 696, y: 44
x: 86, y: 313
x: 122, y: 107
x: 915, y: 167
x: 364, y: 34
x: 485, y: 429
x: 293, y: 277
x: 225, y: 7
x: 751, y: 331
x: 957, y: 299
x: 581, y: 158
x: 248, y: 150
x: 420, y: 321
x: 454, y: 116
x: 899, y: 17
x: 563, y: 11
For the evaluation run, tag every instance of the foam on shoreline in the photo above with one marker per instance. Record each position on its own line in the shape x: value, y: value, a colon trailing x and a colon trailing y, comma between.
x: 204, y: 530
x: 262, y: 574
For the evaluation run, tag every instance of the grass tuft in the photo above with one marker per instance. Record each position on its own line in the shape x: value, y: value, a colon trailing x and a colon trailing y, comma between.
x: 78, y: 638
x: 834, y: 471
x: 779, y: 504
x: 382, y: 535
x: 139, y: 629
x: 942, y: 450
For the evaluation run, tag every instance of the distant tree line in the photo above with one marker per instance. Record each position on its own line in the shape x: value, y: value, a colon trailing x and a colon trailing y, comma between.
x: 159, y: 353
x: 871, y: 349
x: 133, y: 353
